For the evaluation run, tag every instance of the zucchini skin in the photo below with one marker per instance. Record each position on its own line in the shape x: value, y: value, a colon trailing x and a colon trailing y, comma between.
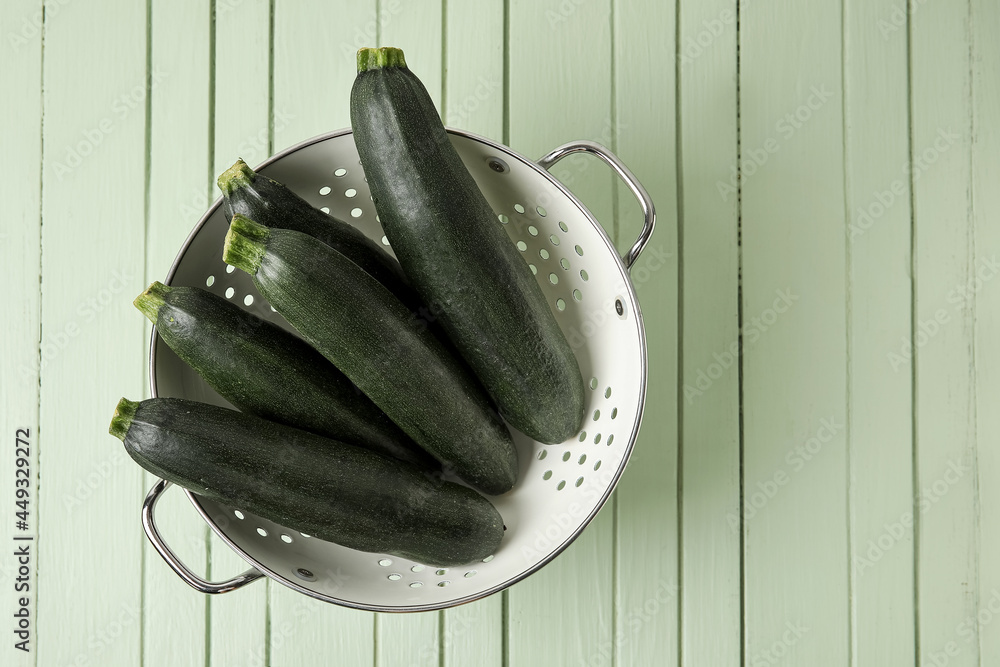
x: 324, y: 488
x: 366, y: 332
x: 272, y: 204
x: 457, y: 255
x: 268, y: 372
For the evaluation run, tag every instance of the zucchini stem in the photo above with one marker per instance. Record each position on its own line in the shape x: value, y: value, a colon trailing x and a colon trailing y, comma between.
x: 380, y: 58
x: 236, y: 177
x: 124, y: 414
x: 150, y: 301
x: 245, y: 244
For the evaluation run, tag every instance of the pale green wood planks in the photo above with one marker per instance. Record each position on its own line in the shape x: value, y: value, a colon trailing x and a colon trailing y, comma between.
x: 876, y: 104
x: 845, y: 351
x: 985, y: 16
x: 93, y: 196
x: 647, y: 537
x: 942, y: 338
x: 711, y: 612
x: 794, y: 384
x: 20, y: 234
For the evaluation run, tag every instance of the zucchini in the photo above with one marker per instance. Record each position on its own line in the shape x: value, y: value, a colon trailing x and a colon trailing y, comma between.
x: 324, y: 488
x: 366, y: 332
x: 456, y: 254
x: 270, y: 203
x: 266, y: 371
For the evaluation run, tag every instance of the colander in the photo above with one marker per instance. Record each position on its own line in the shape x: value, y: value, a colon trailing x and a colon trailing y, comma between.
x: 560, y: 487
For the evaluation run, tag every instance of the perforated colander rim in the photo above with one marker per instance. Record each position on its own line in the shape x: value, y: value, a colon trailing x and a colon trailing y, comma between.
x: 633, y: 304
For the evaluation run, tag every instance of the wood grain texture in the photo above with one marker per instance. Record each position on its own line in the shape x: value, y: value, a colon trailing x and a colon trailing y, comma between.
x: 303, y: 629
x: 880, y: 430
x: 175, y: 616
x: 560, y: 90
x: 472, y: 99
x: 239, y: 622
x: 943, y: 333
x: 314, y: 68
x: 709, y: 382
x: 408, y: 639
x: 794, y: 334
x: 90, y: 546
x: 241, y: 83
x: 315, y: 65
x: 473, y: 93
x: 474, y: 633
x: 646, y: 505
x: 559, y: 57
x: 985, y: 19
x: 20, y: 236
x: 855, y: 263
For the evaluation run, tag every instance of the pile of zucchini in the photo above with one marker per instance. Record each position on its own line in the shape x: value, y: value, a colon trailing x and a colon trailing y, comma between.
x: 346, y: 431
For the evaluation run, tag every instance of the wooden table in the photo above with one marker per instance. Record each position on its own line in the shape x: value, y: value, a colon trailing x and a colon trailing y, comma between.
x: 817, y: 469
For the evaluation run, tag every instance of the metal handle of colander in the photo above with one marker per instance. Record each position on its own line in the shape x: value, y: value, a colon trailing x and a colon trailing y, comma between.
x: 174, y: 562
x: 648, y: 211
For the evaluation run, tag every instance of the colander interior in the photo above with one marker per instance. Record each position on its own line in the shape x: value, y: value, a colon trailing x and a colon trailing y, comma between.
x: 560, y: 487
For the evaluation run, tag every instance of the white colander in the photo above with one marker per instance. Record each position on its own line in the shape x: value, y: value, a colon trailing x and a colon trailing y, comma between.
x: 560, y: 487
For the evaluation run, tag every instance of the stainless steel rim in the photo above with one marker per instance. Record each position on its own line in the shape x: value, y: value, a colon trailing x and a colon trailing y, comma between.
x: 189, y: 577
x: 257, y: 570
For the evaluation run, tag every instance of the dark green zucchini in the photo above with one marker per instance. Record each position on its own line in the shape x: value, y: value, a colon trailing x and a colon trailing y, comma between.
x: 356, y: 323
x: 324, y: 488
x: 270, y: 203
x: 266, y: 371
x: 457, y: 255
